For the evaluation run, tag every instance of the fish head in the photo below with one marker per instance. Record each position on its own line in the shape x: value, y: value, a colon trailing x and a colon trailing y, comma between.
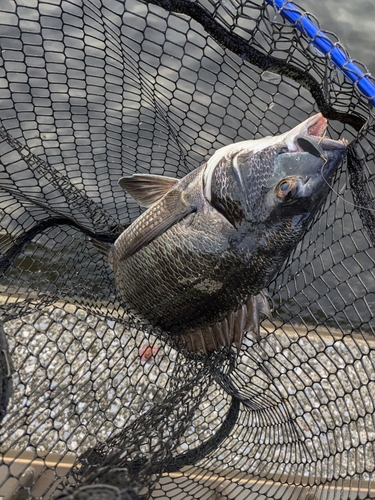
x: 275, y: 178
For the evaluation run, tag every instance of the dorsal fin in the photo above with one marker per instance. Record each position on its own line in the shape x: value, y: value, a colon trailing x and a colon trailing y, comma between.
x: 146, y: 189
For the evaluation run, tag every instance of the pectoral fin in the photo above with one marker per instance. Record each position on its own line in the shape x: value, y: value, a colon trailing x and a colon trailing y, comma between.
x: 147, y: 189
x: 153, y: 223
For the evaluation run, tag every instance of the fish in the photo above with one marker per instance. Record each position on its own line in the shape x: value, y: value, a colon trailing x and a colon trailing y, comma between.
x: 197, y: 262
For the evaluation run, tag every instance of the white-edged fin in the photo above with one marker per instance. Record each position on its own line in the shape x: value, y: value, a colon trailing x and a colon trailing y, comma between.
x: 152, y: 224
x: 230, y: 330
x: 147, y: 189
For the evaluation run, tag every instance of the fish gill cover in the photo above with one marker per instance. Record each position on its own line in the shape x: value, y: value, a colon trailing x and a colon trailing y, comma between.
x: 97, y: 404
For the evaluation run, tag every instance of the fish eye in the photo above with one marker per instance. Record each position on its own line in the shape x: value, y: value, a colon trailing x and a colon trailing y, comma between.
x: 286, y: 188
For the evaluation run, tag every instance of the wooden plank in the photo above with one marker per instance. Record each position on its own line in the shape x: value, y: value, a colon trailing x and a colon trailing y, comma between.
x: 51, y: 468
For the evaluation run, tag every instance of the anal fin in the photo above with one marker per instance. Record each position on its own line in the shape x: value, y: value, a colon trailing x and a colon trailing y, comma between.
x: 230, y: 330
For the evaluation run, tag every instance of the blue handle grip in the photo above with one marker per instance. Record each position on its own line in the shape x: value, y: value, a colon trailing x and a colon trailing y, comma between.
x: 320, y: 41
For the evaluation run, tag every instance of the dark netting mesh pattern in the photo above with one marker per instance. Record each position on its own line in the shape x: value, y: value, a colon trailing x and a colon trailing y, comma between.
x: 96, y: 404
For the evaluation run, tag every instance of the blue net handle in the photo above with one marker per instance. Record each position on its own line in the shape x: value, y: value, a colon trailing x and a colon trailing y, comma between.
x: 321, y: 42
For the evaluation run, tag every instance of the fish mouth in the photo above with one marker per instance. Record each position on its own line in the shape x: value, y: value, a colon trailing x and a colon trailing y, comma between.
x: 309, y: 151
x: 314, y: 129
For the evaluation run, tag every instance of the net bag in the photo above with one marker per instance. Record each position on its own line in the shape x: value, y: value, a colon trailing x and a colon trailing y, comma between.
x: 94, y: 402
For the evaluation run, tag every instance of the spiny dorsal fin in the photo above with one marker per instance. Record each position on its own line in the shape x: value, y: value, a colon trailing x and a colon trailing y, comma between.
x: 146, y: 189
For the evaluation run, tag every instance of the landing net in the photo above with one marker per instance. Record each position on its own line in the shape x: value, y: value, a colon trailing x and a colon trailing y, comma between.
x: 93, y: 405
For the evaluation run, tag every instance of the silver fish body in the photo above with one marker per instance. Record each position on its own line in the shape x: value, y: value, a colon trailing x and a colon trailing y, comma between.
x: 195, y: 263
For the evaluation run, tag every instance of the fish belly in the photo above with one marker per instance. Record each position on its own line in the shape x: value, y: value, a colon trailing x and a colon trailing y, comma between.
x: 189, y: 277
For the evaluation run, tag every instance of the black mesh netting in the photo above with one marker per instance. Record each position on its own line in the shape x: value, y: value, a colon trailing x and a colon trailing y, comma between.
x: 97, y: 405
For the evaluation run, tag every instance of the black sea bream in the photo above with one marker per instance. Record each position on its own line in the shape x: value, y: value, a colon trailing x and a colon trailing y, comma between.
x: 195, y: 263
